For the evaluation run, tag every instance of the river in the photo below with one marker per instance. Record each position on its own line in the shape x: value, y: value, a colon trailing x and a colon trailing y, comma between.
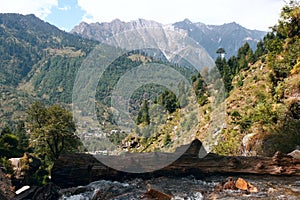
x: 187, y: 188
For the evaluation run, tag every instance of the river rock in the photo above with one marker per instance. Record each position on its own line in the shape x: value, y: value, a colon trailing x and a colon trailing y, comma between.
x: 98, y: 194
x: 252, y: 189
x: 241, y: 184
x: 229, y: 184
x: 271, y: 190
x: 75, y: 190
x: 219, y: 187
x: 295, y: 154
x: 245, y: 186
x: 156, y: 194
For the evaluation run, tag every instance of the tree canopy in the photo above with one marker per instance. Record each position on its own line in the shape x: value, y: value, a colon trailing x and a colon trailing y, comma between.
x: 220, y: 51
x: 52, y: 130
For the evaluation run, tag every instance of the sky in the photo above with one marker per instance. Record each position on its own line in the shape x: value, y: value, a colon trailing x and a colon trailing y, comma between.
x: 65, y: 14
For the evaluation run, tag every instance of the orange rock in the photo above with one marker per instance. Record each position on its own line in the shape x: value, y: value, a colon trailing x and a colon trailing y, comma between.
x: 252, y: 189
x: 241, y: 184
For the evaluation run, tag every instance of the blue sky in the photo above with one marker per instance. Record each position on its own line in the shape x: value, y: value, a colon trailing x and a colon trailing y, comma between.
x: 65, y: 14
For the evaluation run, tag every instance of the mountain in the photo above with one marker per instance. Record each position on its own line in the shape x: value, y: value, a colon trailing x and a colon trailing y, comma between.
x: 40, y: 62
x: 247, y: 104
x: 229, y: 36
x: 25, y: 40
x: 35, y: 58
x: 101, y: 31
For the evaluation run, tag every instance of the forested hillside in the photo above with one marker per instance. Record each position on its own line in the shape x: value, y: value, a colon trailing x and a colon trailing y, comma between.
x: 247, y: 104
x: 262, y: 98
x: 263, y: 92
x: 32, y: 51
x: 39, y: 62
x: 25, y: 40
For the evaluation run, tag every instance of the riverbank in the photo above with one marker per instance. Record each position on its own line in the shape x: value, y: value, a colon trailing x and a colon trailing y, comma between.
x: 83, y: 176
x: 269, y: 187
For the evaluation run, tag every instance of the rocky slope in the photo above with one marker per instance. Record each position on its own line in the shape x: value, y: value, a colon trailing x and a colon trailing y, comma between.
x: 229, y: 36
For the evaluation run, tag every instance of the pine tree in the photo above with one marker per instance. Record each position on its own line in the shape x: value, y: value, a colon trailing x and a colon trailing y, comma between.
x: 143, y: 114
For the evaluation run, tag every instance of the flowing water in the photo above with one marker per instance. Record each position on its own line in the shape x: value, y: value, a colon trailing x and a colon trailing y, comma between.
x: 187, y: 188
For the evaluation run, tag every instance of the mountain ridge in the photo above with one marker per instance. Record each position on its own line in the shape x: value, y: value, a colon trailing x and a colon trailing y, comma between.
x: 28, y: 47
x: 26, y: 40
x: 230, y: 36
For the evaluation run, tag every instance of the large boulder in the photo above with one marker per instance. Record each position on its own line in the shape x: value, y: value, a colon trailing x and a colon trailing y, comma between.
x: 295, y: 154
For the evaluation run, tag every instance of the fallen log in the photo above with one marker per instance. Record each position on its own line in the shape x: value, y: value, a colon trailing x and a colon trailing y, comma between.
x: 80, y: 169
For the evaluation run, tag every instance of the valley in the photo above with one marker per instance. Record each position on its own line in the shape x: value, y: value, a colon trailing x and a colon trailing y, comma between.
x: 117, y: 88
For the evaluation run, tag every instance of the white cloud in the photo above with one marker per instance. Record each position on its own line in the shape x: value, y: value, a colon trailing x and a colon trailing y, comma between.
x: 65, y: 8
x: 41, y: 8
x: 254, y: 14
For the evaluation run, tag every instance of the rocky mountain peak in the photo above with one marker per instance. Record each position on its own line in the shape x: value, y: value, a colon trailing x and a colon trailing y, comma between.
x: 187, y: 21
x: 230, y: 36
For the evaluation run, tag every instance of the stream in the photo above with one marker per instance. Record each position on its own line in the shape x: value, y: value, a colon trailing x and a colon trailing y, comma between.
x: 186, y: 188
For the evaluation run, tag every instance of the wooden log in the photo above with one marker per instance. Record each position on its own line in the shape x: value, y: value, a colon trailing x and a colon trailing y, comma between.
x: 80, y: 169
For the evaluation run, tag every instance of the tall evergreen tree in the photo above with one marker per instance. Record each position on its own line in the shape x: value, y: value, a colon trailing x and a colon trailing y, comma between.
x: 143, y: 114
